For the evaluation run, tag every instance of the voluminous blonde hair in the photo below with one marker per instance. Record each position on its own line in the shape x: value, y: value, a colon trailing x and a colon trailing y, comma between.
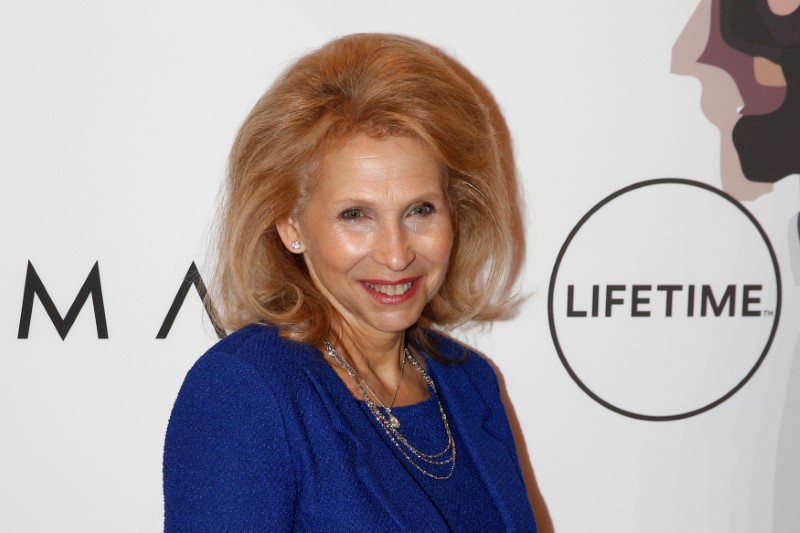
x: 378, y: 85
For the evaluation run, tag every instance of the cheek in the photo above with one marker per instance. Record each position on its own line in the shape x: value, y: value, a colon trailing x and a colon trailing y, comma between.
x: 329, y: 244
x: 349, y: 245
x: 439, y: 245
x: 337, y: 252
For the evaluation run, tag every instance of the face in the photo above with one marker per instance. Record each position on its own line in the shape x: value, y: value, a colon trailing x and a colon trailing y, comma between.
x: 376, y: 233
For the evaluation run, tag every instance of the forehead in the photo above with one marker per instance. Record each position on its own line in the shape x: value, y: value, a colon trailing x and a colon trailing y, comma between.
x: 367, y: 164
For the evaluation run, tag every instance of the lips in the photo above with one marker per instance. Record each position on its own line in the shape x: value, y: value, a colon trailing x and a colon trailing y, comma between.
x: 395, y: 289
x: 391, y: 292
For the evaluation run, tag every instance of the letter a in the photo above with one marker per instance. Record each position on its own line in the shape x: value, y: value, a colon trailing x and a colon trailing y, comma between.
x: 192, y: 277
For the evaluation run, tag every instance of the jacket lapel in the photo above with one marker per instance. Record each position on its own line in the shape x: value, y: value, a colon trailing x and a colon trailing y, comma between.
x: 481, y: 428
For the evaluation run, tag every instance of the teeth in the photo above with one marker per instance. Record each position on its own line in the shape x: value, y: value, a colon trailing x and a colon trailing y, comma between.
x: 390, y: 290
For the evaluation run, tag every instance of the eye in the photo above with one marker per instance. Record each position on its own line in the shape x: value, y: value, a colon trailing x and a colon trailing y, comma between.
x: 354, y: 213
x: 423, y: 209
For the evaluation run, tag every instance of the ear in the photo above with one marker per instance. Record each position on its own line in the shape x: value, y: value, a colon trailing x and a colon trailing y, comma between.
x: 290, y: 234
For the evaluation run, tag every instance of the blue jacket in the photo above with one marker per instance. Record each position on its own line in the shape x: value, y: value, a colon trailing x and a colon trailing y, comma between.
x: 264, y: 436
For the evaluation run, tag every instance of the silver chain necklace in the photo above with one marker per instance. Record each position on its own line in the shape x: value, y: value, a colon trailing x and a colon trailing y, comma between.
x: 420, y: 460
x: 393, y: 421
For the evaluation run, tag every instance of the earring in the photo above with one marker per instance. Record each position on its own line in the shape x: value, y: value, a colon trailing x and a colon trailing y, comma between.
x: 295, y: 245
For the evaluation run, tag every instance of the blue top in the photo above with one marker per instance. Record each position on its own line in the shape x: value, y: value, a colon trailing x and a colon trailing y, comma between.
x: 264, y: 436
x: 463, y: 498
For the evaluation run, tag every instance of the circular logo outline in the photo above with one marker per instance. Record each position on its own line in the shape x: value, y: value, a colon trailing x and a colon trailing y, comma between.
x: 565, y: 247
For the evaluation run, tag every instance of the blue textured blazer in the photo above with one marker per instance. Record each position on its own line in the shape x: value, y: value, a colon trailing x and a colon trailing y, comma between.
x: 264, y: 436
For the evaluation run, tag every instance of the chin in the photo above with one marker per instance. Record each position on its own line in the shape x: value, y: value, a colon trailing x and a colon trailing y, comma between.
x: 397, y: 325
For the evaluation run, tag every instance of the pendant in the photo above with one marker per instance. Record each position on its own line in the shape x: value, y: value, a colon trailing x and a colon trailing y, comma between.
x: 394, y: 423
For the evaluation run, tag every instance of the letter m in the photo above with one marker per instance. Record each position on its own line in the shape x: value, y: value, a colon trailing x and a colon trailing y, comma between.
x: 729, y: 296
x: 35, y: 287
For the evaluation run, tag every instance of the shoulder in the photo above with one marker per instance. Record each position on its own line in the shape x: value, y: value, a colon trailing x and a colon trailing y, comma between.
x: 227, y: 461
x: 241, y: 384
x: 256, y: 342
x: 256, y: 349
x: 248, y: 367
x: 457, y: 357
x: 246, y: 377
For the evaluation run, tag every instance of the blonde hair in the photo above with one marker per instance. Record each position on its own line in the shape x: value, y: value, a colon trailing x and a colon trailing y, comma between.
x: 379, y: 85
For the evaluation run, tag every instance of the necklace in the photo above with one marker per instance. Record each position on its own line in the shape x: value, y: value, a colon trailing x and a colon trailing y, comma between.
x: 445, y: 459
x: 393, y: 421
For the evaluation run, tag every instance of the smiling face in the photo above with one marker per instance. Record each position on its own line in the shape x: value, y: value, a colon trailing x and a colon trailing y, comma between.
x: 376, y: 233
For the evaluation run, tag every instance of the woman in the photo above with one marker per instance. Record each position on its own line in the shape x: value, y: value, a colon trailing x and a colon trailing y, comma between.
x: 365, y: 204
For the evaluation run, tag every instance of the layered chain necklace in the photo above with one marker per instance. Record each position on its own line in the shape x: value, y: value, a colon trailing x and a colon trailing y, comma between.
x: 391, y: 425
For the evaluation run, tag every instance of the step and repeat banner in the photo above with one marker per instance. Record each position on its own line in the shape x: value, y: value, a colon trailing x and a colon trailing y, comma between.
x: 654, y: 363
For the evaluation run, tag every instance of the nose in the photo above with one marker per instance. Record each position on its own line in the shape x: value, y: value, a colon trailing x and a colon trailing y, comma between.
x: 394, y: 247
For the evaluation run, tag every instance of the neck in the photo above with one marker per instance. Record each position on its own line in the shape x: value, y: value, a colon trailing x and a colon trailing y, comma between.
x: 377, y: 361
x: 380, y: 356
x: 375, y: 356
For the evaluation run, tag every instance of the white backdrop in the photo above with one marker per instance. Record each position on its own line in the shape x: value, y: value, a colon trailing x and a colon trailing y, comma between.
x: 115, y: 122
